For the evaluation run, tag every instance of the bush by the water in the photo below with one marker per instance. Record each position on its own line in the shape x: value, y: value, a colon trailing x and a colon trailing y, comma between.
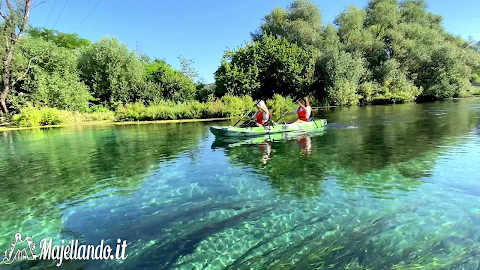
x: 227, y: 106
x: 31, y: 116
x: 279, y: 104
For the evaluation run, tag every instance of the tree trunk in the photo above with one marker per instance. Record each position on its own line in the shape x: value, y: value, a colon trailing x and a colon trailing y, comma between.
x: 6, y: 76
x: 3, y: 99
x: 11, y: 41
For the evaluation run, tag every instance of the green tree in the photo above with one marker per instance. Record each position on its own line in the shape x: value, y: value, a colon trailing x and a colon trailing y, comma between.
x: 341, y: 77
x: 186, y: 69
x: 381, y: 15
x: 396, y: 87
x: 175, y: 84
x: 111, y: 71
x: 351, y: 31
x: 387, y: 52
x: 415, y: 11
x: 48, y: 76
x: 300, y: 23
x: 66, y: 40
x: 265, y: 67
x: 205, y: 92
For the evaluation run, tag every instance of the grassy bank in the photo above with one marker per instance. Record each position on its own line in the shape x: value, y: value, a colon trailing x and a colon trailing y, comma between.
x: 111, y: 123
x: 226, y: 107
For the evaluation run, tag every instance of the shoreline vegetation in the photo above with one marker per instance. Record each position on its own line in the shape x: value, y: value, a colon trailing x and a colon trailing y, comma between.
x: 114, y: 122
x: 111, y: 123
x: 385, y: 53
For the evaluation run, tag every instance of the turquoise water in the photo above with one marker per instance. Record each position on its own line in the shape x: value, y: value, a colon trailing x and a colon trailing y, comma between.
x: 382, y: 187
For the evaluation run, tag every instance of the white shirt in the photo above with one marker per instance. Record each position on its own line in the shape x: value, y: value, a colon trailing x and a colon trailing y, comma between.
x: 308, y: 108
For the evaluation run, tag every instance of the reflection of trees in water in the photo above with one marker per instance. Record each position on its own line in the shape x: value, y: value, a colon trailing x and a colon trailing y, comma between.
x: 43, y: 169
x: 392, y: 149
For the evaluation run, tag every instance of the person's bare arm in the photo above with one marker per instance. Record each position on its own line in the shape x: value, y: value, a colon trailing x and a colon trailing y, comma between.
x: 299, y: 103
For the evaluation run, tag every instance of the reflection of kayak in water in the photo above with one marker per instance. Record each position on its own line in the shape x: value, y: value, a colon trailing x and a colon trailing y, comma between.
x: 224, y: 142
x: 305, y: 143
x: 340, y: 126
x: 268, y: 130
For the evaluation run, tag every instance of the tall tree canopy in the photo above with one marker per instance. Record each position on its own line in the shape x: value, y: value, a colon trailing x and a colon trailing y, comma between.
x: 300, y: 23
x: 385, y: 52
x: 266, y: 67
x: 111, y: 71
x: 66, y: 40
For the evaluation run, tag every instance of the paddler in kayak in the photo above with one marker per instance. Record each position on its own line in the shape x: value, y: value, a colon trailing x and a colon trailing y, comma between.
x: 304, y: 111
x: 262, y: 115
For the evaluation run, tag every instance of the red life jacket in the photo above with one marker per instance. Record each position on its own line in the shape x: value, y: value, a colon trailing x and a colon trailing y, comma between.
x: 302, y: 114
x: 260, y: 118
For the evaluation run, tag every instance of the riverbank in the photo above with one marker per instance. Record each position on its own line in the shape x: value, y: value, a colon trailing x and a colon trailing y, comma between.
x: 225, y: 107
x: 12, y: 126
x: 112, y: 123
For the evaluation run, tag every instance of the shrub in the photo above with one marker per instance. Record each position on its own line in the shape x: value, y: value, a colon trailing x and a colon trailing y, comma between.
x: 216, y: 109
x: 343, y: 92
x: 279, y: 104
x: 169, y: 110
x: 238, y: 105
x: 98, y: 108
x: 367, y: 91
x: 99, y: 116
x: 31, y: 116
x: 227, y: 106
x: 476, y: 90
x: 28, y: 117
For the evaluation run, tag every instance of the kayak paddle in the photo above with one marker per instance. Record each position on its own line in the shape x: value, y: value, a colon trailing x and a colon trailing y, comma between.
x: 246, y: 114
x: 285, y: 113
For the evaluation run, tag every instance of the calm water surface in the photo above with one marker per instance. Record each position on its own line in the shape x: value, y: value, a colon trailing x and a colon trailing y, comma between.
x: 382, y: 187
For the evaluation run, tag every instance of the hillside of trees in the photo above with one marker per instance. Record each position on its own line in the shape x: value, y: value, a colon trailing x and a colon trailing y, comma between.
x: 387, y: 52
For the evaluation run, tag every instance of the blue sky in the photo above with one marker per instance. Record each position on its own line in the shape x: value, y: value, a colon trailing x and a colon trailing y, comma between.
x: 202, y: 30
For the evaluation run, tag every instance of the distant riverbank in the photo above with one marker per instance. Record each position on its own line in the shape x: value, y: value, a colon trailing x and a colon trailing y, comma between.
x: 115, y: 118
x: 112, y: 123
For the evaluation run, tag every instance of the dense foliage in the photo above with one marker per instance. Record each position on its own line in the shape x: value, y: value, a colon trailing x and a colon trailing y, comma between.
x: 388, y: 52
x: 170, y: 83
x: 111, y: 71
x: 66, y: 40
x: 49, y: 77
x: 227, y: 106
x: 263, y: 68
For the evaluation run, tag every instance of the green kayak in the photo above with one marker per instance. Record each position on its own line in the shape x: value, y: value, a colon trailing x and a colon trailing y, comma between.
x: 228, y: 142
x: 258, y: 131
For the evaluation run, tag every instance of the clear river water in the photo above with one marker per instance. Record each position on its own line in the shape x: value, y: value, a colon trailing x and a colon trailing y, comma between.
x: 380, y: 187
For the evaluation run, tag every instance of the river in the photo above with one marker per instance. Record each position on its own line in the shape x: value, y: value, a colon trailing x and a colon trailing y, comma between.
x: 380, y: 187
